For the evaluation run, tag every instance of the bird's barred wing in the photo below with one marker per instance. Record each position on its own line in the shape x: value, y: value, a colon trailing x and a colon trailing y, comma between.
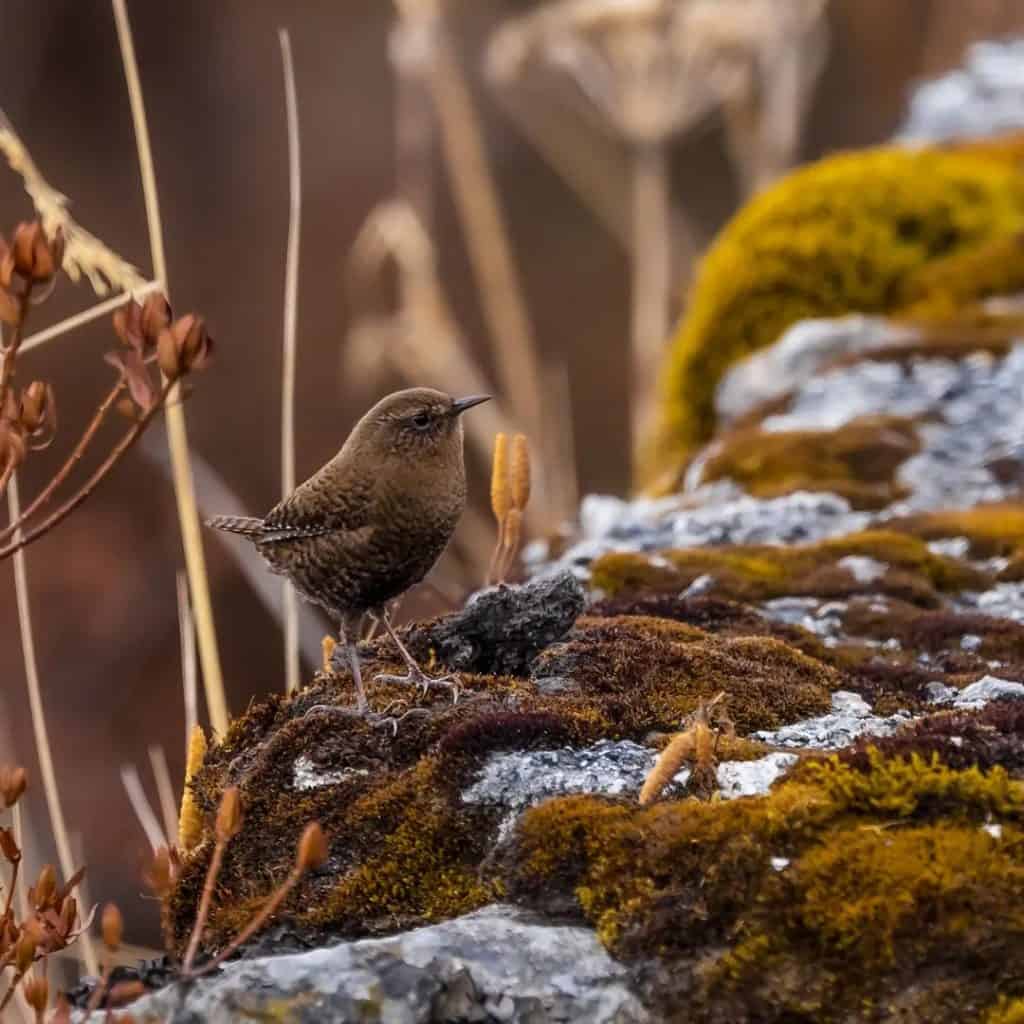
x: 309, y: 512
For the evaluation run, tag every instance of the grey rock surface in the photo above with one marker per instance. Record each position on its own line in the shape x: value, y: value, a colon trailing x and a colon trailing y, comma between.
x: 802, y: 351
x: 984, y: 97
x: 850, y: 717
x: 496, y: 965
x: 977, y: 694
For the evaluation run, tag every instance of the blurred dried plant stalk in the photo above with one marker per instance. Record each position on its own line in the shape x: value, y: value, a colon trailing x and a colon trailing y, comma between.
x: 428, y: 68
x: 51, y: 921
x: 84, y: 254
x: 150, y: 340
x: 648, y: 70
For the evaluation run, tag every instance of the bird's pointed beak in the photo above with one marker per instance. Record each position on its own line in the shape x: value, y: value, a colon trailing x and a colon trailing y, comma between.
x: 460, y: 405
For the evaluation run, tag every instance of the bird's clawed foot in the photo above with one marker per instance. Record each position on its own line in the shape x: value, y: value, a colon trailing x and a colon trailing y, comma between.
x: 418, y: 678
x: 376, y: 719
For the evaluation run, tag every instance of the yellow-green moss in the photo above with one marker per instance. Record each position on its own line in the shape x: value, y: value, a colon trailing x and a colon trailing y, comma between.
x: 848, y: 233
x: 996, y: 529
x: 1008, y: 1011
x: 884, y: 868
x: 858, y: 461
x: 757, y: 573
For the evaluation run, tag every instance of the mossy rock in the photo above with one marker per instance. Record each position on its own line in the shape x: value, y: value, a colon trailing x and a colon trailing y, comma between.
x: 809, y: 904
x: 858, y: 461
x: 888, y: 230
x: 762, y: 572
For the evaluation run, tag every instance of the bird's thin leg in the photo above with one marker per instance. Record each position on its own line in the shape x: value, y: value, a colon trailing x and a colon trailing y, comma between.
x: 357, y: 672
x: 416, y: 676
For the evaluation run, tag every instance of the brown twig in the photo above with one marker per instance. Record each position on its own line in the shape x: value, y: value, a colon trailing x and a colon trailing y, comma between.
x: 10, y: 350
x: 258, y: 921
x: 129, y: 439
x: 73, y: 459
x: 216, y: 861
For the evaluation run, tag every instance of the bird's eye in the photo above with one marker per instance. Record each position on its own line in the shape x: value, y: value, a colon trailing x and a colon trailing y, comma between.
x: 421, y: 420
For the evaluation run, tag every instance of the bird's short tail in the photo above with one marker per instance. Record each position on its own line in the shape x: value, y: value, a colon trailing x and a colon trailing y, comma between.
x: 248, y: 526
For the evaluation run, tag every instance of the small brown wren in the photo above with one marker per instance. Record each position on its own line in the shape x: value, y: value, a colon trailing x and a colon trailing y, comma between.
x: 374, y: 520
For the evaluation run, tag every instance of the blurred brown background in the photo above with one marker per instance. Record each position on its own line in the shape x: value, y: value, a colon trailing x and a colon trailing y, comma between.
x: 103, y: 585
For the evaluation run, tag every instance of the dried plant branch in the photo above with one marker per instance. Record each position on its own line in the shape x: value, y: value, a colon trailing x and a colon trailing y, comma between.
x: 311, y: 854
x: 58, y: 822
x: 70, y: 504
x: 85, y: 254
x: 72, y: 323
x: 177, y: 436
x: 291, y: 301
x: 229, y: 822
x: 115, y: 393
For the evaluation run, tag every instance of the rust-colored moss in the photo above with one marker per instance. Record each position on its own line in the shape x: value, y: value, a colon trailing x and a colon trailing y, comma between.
x: 858, y: 461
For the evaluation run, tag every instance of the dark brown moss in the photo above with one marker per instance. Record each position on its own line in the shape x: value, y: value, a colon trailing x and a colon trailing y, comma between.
x: 990, y: 738
x: 858, y: 461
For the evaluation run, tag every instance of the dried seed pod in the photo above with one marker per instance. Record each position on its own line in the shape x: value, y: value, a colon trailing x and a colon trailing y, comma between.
x: 13, y: 782
x: 37, y: 992
x: 128, y: 325
x: 8, y: 847
x: 312, y: 849
x: 112, y: 927
x: 11, y: 307
x: 520, y: 472
x: 36, y: 257
x: 168, y: 355
x: 229, y: 815
x: 196, y: 344
x: 501, y: 499
x: 154, y: 317
x: 45, y: 888
x: 24, y: 952
x: 68, y: 914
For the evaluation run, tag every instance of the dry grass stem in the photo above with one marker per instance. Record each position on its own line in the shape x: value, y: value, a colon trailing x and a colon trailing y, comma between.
x: 72, y: 323
x: 189, y: 669
x: 58, y: 822
x: 85, y: 254
x: 164, y: 791
x: 516, y: 353
x: 143, y: 809
x: 177, y: 437
x: 291, y: 302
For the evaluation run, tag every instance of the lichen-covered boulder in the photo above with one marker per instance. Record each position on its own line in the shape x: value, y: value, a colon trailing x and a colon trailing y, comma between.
x: 920, y: 233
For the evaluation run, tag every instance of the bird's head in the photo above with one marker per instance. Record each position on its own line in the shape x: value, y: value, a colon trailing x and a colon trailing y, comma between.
x: 417, y: 422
